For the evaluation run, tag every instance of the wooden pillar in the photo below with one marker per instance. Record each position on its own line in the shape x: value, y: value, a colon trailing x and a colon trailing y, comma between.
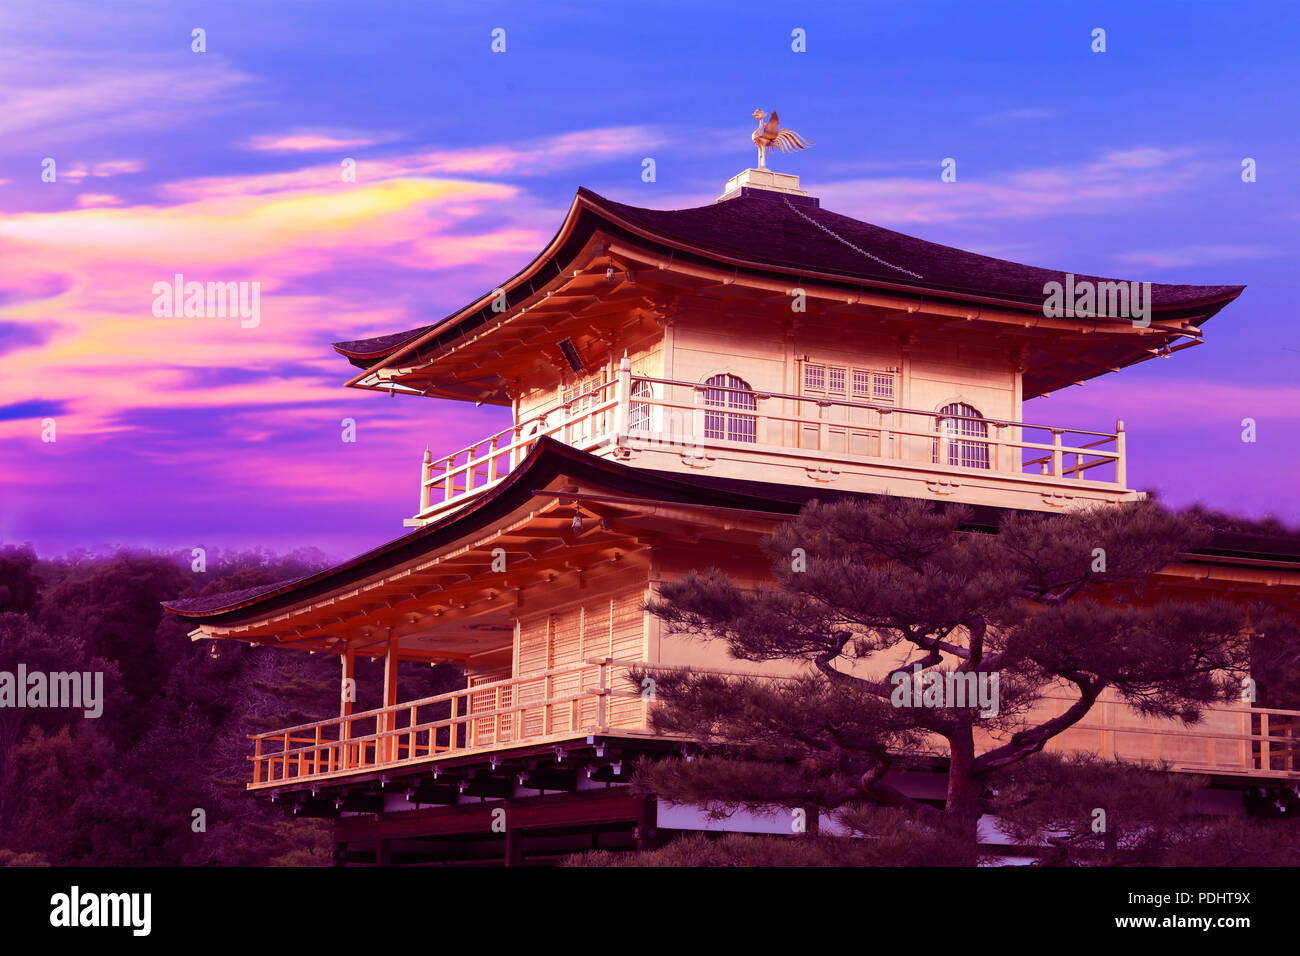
x: 623, y: 394
x: 347, y: 696
x: 647, y: 821
x: 514, y: 846
x: 389, y: 721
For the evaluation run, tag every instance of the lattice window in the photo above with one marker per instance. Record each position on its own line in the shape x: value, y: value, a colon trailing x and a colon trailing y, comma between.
x: 964, y: 424
x: 814, y: 378
x: 730, y: 392
x: 638, y: 419
x: 882, y: 387
x: 579, y: 398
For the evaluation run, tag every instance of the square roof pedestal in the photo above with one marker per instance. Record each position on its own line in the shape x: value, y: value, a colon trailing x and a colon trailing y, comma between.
x: 749, y: 180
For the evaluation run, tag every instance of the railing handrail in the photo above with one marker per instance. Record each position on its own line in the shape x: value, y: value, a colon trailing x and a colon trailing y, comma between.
x: 424, y: 701
x: 316, y: 756
x: 728, y: 672
x: 1101, y: 456
x: 872, y: 406
x: 451, y: 721
x: 540, y: 415
x: 603, y: 408
x: 588, y: 663
x: 605, y: 405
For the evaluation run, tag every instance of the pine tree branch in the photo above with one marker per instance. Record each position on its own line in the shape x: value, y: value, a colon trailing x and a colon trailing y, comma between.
x: 1031, y: 741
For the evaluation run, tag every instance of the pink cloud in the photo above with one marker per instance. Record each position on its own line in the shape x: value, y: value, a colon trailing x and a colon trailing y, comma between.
x: 306, y: 143
x: 525, y: 158
x: 85, y: 200
x: 95, y: 268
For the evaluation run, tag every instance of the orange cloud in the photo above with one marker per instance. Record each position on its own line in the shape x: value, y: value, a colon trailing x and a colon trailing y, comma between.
x: 94, y: 268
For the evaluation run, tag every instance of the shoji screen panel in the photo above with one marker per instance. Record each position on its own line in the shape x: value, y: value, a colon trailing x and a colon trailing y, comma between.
x: 627, y: 643
x: 566, y: 650
x: 534, y: 658
x: 595, y: 645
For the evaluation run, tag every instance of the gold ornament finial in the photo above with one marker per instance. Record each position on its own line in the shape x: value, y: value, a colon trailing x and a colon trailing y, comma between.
x: 771, y: 134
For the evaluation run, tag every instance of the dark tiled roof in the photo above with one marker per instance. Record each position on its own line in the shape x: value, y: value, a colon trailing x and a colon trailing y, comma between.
x: 550, y: 458
x: 762, y: 231
x: 380, y: 345
x: 212, y: 602
x: 770, y: 231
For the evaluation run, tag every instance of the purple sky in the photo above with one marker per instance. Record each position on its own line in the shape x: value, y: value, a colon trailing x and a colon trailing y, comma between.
x: 225, y: 166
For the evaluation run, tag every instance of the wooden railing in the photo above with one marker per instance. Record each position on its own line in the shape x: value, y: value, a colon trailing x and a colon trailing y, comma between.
x: 686, y: 414
x: 1242, y: 739
x: 596, y: 697
x: 587, y: 697
x: 584, y: 420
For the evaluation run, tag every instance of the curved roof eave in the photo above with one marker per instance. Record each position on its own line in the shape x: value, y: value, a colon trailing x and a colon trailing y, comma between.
x: 550, y: 458
x: 547, y: 459
x: 381, y: 350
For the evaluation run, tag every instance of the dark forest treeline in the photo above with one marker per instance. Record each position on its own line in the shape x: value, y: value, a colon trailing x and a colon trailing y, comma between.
x: 124, y: 788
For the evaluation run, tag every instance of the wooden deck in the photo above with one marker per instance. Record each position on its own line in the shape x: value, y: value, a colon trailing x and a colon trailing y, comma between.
x: 595, y: 698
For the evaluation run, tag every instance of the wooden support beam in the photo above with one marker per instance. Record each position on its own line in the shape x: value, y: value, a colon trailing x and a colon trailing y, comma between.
x: 390, y: 695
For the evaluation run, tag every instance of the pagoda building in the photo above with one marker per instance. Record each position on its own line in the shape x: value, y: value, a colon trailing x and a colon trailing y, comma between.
x: 681, y: 382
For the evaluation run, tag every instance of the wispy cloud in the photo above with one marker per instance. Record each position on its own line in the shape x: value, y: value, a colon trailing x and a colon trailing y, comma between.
x: 52, y: 98
x: 524, y: 158
x: 1197, y: 255
x: 308, y: 143
x: 87, y: 200
x: 1094, y: 187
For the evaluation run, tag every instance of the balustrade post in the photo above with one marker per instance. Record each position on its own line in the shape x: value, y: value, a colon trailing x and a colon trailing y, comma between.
x: 426, y: 477
x: 623, y: 396
x: 602, y: 706
x: 492, y: 460
x: 257, y: 759
x: 410, y: 737
x: 1265, y: 758
x: 448, y: 489
x: 1121, y: 468
x: 496, y: 717
x: 1058, y: 460
x: 697, y: 417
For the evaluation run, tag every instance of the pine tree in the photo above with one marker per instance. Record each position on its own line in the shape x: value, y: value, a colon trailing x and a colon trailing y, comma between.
x: 882, y: 597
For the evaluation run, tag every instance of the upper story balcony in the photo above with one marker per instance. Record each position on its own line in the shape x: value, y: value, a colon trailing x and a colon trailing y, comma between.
x: 849, y: 444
